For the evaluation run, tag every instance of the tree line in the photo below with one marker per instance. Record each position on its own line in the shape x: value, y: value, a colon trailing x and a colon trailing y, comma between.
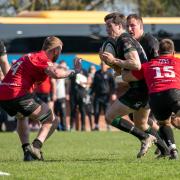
x: 153, y: 8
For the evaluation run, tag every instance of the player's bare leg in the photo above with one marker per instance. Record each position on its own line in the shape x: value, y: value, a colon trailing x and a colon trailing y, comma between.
x: 168, y: 136
x: 23, y: 132
x: 141, y: 121
x: 114, y: 117
x: 49, y: 124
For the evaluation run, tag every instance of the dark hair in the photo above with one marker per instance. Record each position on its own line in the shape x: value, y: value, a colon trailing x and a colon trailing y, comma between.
x: 166, y: 46
x: 118, y: 18
x: 135, y: 16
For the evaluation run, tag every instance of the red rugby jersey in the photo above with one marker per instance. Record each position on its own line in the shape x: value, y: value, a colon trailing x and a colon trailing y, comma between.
x: 24, y: 73
x: 161, y: 74
x: 44, y: 87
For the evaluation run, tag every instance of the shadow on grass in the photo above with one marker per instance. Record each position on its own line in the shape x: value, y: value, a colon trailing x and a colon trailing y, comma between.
x: 96, y: 160
x: 116, y: 158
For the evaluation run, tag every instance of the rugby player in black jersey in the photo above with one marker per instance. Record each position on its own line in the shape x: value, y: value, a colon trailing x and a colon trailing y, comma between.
x: 128, y: 58
x: 130, y: 55
x: 150, y: 45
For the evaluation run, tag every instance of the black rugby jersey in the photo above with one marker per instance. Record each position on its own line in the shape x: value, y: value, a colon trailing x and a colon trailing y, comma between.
x: 150, y: 45
x: 125, y: 44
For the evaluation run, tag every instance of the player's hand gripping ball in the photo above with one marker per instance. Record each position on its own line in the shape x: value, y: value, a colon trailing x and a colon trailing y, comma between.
x: 110, y: 46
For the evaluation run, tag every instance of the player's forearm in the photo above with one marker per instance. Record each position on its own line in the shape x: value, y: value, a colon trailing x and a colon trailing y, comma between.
x: 60, y: 74
x: 4, y: 64
x: 127, y: 76
x: 128, y: 64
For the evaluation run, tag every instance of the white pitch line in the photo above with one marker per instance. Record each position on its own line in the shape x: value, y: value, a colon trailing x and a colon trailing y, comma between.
x: 4, y: 173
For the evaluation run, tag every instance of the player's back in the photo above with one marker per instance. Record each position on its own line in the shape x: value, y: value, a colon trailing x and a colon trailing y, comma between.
x: 23, y: 74
x: 150, y: 45
x: 162, y: 73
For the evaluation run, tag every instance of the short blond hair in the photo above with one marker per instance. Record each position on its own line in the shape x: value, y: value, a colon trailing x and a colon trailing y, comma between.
x: 166, y: 46
x: 51, y: 42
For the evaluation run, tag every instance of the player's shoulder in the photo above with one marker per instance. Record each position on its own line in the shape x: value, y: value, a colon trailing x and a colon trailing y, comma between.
x: 148, y: 35
x: 39, y: 59
x: 177, y: 58
x: 127, y: 41
x: 149, y: 38
x: 124, y: 38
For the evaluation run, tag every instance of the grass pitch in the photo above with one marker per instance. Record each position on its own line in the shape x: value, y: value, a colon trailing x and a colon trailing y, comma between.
x: 86, y: 155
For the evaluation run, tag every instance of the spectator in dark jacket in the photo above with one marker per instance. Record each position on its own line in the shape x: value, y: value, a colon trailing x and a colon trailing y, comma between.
x: 103, y: 88
x: 77, y: 93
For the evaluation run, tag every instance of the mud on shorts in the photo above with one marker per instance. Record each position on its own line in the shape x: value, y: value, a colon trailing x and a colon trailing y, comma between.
x: 24, y: 105
x: 136, y: 96
x: 164, y: 103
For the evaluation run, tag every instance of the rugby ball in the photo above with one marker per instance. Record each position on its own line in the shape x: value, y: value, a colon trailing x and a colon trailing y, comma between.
x: 109, y: 46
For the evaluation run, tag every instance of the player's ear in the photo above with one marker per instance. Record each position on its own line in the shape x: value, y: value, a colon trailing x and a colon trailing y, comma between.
x: 141, y: 26
x: 120, y: 26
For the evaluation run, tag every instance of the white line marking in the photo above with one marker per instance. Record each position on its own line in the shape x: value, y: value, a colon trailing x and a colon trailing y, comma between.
x: 4, y: 173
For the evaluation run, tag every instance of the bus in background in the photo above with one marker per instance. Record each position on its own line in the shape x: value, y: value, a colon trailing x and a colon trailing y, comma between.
x: 82, y: 32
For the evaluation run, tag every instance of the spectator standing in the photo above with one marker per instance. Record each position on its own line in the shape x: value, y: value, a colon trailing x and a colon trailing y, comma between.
x: 60, y: 103
x: 89, y: 97
x: 103, y: 89
x: 77, y: 93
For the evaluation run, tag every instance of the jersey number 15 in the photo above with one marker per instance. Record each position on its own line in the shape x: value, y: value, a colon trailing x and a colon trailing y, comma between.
x: 166, y: 71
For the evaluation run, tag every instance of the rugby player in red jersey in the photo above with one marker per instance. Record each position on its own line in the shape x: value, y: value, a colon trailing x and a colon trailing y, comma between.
x: 16, y: 97
x: 151, y: 46
x: 162, y: 76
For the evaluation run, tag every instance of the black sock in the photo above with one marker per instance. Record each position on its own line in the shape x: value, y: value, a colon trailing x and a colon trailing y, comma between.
x: 160, y: 143
x: 37, y: 143
x: 167, y: 134
x: 24, y: 146
x: 126, y: 126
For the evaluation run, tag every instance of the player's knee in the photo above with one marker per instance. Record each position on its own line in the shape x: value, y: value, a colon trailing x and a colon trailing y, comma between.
x: 108, y: 117
x: 20, y: 116
x: 56, y: 121
x: 47, y: 116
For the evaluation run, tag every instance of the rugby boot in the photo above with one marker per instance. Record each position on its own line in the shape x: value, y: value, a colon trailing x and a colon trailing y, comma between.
x: 174, y: 154
x: 145, y: 145
x: 157, y: 151
x: 163, y: 156
x: 27, y: 155
x: 35, y: 152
